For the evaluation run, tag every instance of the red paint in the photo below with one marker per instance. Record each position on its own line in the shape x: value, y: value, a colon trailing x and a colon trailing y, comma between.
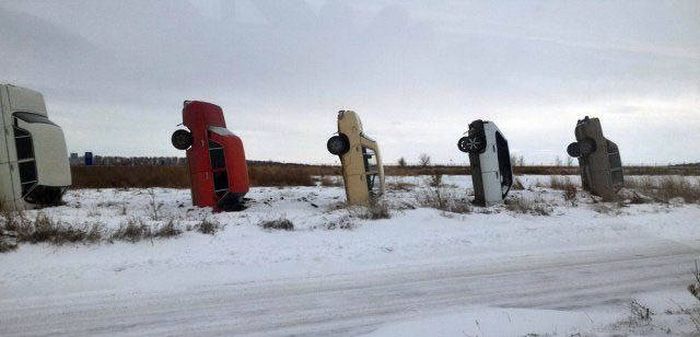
x: 207, y: 125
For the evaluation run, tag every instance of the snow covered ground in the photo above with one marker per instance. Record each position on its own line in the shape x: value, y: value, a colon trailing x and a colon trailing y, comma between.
x: 423, y: 272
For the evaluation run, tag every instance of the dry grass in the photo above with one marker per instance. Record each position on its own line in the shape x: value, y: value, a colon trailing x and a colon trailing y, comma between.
x: 435, y: 180
x: 280, y: 223
x: 279, y: 176
x: 377, y: 209
x: 177, y: 176
x: 208, y: 227
x: 287, y: 174
x: 134, y: 230
x: 129, y: 176
x: 445, y: 200
x: 609, y: 208
x: 169, y: 230
x: 344, y: 223
x: 517, y: 185
x: 331, y: 181
x: 400, y: 186
x: 525, y: 205
x: 18, y: 227
x: 667, y: 188
x: 564, y: 184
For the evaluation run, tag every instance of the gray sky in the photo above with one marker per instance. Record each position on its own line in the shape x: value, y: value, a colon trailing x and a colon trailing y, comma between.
x: 115, y: 73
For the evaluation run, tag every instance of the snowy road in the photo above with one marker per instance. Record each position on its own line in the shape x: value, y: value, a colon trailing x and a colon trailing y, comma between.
x: 357, y: 303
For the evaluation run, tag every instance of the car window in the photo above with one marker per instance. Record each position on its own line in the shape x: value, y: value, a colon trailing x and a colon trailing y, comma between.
x: 33, y: 118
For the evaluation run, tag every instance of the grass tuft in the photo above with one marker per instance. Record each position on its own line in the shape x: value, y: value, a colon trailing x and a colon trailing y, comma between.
x: 280, y: 223
x: 169, y: 230
x: 524, y: 205
x: 377, y: 209
x: 666, y: 189
x: 209, y: 227
x: 444, y: 200
x: 133, y: 231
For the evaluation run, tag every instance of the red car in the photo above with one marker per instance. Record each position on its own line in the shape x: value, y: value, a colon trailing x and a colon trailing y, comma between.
x: 217, y: 165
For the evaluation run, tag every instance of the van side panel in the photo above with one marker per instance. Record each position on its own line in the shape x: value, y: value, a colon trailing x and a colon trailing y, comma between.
x: 6, y: 188
x: 4, y: 131
x: 9, y: 184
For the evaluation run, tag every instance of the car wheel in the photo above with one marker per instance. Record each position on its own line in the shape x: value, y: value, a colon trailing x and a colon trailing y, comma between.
x: 338, y: 145
x: 181, y: 139
x: 574, y: 150
x: 472, y: 144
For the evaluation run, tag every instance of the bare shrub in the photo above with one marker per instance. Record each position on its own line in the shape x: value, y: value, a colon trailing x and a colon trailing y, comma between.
x: 532, y: 206
x: 424, y: 160
x: 168, y: 230
x: 402, y: 162
x: 640, y: 311
x: 570, y: 193
x: 435, y: 180
x: 444, y: 200
x: 280, y: 223
x: 133, y: 231
x: 207, y: 226
x: 154, y: 206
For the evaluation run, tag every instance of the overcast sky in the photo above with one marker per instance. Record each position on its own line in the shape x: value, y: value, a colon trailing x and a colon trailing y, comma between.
x: 115, y: 73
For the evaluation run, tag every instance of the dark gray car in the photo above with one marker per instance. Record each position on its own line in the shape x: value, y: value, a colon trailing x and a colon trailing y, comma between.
x: 599, y: 159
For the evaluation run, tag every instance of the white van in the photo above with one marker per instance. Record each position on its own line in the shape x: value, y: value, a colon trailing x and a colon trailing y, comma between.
x: 34, y: 168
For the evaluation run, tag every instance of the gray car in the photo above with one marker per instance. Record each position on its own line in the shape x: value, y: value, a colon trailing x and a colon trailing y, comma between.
x: 599, y: 159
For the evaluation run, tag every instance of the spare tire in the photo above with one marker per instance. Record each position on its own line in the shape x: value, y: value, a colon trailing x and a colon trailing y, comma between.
x: 338, y: 145
x: 181, y: 139
x: 574, y: 150
x: 474, y: 144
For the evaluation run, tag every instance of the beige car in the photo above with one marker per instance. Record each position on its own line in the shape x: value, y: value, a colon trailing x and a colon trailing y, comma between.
x: 599, y: 159
x: 34, y: 167
x: 359, y: 155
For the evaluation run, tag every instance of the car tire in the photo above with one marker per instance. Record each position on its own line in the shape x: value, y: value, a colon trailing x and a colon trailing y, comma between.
x: 574, y: 150
x: 181, y: 139
x: 472, y: 144
x: 338, y: 145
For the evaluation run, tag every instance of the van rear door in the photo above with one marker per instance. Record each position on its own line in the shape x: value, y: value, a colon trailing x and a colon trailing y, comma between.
x: 48, y: 147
